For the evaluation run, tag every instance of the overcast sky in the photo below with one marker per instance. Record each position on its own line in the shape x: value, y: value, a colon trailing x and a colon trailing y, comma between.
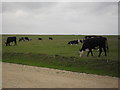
x: 60, y: 17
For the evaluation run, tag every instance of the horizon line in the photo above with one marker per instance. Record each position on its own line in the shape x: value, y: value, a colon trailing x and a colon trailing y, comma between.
x: 51, y: 34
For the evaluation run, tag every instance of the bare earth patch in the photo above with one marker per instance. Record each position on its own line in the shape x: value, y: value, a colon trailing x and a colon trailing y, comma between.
x: 23, y: 76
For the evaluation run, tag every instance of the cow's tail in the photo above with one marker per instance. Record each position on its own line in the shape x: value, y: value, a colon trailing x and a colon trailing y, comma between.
x: 107, y: 45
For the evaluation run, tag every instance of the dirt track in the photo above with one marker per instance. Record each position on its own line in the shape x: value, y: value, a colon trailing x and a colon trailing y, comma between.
x: 22, y: 76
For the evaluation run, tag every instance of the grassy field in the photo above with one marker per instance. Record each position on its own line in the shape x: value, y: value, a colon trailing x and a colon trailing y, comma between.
x: 58, y: 54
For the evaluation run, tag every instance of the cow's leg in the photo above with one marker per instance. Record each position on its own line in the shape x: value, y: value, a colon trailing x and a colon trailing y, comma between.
x: 15, y: 43
x: 8, y: 44
x: 100, y: 51
x: 88, y: 53
x: 91, y: 52
x: 105, y: 51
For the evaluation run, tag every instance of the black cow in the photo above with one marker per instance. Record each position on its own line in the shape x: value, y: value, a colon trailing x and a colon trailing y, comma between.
x: 24, y: 39
x: 39, y: 38
x: 11, y: 39
x: 74, y: 42
x: 92, y: 43
x: 50, y: 38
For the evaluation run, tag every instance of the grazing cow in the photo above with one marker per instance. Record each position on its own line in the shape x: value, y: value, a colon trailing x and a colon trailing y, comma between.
x: 92, y: 43
x: 39, y: 38
x: 11, y: 39
x: 24, y: 39
x: 50, y: 38
x: 74, y: 42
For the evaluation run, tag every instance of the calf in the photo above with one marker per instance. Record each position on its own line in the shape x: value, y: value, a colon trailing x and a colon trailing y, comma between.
x: 92, y: 43
x: 11, y: 39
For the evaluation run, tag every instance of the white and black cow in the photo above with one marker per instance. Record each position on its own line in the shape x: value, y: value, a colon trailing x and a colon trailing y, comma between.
x: 11, y: 39
x: 74, y: 42
x: 92, y: 43
x: 24, y: 39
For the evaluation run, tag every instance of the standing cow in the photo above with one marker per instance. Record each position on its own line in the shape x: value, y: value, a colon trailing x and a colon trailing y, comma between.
x: 11, y: 39
x: 92, y: 43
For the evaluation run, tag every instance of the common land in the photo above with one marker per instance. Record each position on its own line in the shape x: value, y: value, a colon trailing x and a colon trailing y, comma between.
x: 58, y: 54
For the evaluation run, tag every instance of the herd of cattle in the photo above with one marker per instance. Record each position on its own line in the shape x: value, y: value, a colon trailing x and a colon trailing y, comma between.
x: 14, y: 40
x: 89, y: 43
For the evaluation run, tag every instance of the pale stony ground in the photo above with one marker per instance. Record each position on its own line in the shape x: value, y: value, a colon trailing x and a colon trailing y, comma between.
x: 23, y: 76
x: 0, y: 75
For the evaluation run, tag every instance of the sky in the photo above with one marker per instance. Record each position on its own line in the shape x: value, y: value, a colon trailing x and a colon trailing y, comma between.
x: 0, y: 18
x: 80, y: 18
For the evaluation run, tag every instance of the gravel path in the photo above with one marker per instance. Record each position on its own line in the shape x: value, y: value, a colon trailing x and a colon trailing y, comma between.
x: 23, y: 76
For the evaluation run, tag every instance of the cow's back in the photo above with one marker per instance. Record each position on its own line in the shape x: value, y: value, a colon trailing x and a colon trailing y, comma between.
x: 11, y: 39
x: 94, y: 42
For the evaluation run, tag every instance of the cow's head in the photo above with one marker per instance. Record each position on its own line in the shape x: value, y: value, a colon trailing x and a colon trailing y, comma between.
x: 81, y: 52
x: 6, y: 43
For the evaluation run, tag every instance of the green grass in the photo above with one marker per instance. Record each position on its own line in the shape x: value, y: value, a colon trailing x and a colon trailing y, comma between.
x: 57, y: 54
